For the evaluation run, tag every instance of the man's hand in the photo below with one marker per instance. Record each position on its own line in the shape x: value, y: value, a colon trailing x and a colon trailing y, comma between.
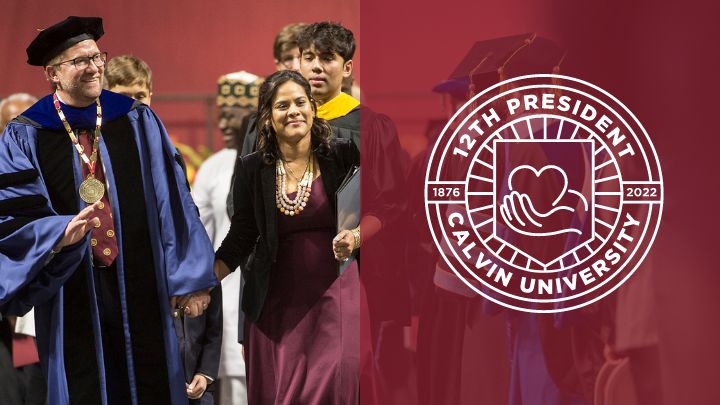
x: 193, y: 305
x: 78, y: 227
x: 197, y: 386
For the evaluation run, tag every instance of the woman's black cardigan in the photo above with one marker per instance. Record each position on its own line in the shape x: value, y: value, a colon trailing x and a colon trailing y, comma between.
x: 253, y: 234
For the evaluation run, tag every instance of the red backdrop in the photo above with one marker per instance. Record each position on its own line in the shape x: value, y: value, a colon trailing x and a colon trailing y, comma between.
x: 660, y: 59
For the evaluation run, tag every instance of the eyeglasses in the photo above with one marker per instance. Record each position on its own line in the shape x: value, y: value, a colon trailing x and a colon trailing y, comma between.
x: 83, y: 62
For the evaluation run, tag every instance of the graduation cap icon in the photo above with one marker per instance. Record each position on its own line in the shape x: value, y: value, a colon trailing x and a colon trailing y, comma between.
x: 491, y: 61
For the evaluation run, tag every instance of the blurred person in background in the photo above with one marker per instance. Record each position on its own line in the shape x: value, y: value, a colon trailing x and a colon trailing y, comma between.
x: 129, y: 76
x: 285, y: 47
x: 132, y: 77
x: 236, y: 100
x: 13, y: 105
x: 23, y: 376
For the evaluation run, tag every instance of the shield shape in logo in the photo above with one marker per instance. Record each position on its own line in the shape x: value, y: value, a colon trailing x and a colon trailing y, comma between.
x: 543, y: 191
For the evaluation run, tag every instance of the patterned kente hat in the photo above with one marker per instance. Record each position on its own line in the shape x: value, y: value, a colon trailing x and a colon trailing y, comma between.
x: 239, y: 89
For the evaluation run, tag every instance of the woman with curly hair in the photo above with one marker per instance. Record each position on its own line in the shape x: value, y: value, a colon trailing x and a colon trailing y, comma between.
x: 301, y: 318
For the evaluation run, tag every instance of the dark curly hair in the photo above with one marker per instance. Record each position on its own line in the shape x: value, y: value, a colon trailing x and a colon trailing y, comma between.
x: 328, y: 37
x: 320, y: 133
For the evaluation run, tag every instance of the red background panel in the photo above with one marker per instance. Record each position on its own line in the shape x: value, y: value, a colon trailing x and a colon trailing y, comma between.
x: 659, y: 59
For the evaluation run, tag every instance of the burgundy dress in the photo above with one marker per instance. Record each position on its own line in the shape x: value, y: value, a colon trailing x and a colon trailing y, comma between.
x: 304, y: 348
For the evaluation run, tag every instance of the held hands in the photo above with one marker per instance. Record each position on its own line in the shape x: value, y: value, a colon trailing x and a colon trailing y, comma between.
x: 197, y: 386
x: 193, y: 305
x: 345, y: 242
x: 78, y: 227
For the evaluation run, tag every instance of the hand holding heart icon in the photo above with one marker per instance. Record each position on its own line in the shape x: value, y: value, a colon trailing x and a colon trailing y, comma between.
x: 533, y: 206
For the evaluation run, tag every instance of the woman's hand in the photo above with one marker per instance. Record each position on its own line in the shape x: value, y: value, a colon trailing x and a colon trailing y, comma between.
x: 343, y: 245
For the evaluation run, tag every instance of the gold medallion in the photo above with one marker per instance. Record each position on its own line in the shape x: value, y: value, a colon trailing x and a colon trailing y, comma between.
x: 91, y: 190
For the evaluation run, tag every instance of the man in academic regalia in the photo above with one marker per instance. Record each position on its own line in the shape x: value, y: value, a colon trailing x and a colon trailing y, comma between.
x: 98, y: 232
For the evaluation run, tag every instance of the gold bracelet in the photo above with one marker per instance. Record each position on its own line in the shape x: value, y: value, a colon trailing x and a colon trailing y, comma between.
x: 356, y: 235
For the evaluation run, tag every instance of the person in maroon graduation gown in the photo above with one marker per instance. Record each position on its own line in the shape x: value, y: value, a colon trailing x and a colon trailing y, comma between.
x: 302, y: 319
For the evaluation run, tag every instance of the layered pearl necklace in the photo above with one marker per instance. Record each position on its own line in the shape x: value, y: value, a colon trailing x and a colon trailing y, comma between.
x: 304, y: 186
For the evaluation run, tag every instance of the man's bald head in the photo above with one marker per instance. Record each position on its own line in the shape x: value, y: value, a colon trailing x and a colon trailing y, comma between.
x: 13, y: 106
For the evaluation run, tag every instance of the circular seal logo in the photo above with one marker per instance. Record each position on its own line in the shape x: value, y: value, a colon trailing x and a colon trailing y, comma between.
x: 543, y: 193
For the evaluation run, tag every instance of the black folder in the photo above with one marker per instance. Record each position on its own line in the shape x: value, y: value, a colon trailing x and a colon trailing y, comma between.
x: 347, y: 199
